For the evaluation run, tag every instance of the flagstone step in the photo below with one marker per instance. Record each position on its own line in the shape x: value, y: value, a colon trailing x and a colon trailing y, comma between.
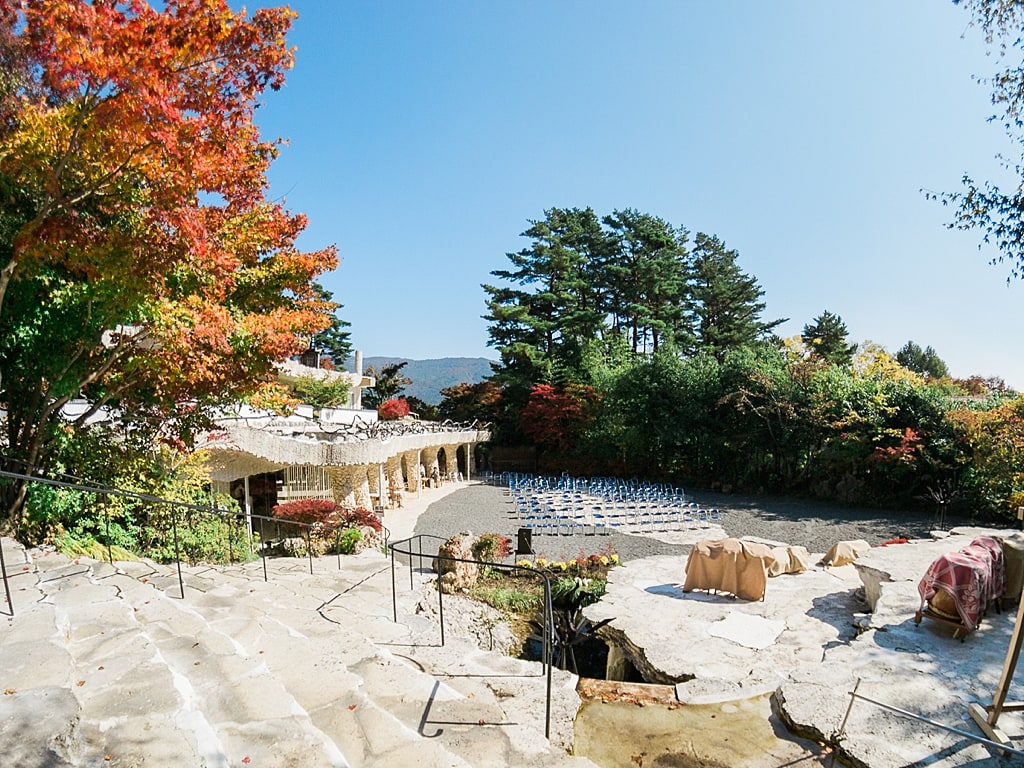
x: 300, y: 670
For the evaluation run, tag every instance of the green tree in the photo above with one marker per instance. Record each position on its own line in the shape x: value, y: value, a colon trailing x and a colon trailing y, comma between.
x: 826, y: 336
x: 389, y: 384
x: 322, y: 392
x: 647, y: 295
x: 558, y: 305
x: 727, y: 302
x: 924, y: 361
x: 334, y: 339
x: 996, y: 213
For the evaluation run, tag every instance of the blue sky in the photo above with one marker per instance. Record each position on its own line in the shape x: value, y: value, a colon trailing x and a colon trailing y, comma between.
x: 424, y: 137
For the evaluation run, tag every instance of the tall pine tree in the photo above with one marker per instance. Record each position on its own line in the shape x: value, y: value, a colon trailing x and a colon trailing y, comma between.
x: 728, y: 302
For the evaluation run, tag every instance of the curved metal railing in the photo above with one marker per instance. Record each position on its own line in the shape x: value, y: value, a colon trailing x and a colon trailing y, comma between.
x: 547, y: 644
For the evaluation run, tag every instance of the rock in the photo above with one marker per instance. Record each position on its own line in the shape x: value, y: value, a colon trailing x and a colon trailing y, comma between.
x: 456, y: 575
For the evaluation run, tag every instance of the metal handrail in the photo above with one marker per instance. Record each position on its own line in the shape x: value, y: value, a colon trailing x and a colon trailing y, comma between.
x: 174, y: 506
x: 854, y: 695
x: 547, y: 651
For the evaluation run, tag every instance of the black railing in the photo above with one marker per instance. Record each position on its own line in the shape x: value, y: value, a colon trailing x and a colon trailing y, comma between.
x: 231, y: 517
x: 547, y: 645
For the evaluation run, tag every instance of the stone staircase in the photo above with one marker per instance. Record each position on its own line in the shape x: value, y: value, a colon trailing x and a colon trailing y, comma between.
x: 106, y: 665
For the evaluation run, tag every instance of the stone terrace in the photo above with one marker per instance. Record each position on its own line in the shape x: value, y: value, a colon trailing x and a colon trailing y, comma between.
x: 106, y: 665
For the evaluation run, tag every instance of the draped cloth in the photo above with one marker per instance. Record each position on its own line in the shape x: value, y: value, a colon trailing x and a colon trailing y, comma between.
x: 845, y: 552
x: 729, y: 565
x: 971, y: 578
x: 789, y: 560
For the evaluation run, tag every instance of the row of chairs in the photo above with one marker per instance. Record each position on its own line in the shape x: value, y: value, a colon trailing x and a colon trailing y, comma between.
x: 567, y: 506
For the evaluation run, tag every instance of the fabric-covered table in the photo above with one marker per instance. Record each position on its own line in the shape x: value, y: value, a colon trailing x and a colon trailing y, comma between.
x: 845, y: 552
x: 972, y: 577
x: 729, y: 565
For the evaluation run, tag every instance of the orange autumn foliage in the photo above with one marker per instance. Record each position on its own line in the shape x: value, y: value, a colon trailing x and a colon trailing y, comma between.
x: 133, y: 136
x: 142, y: 266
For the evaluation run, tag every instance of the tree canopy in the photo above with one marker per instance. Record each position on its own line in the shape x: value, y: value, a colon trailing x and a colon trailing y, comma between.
x: 924, y: 361
x: 826, y: 336
x: 997, y: 213
x: 142, y: 266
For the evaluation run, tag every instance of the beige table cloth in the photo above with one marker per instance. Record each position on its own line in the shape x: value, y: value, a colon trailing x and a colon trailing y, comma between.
x: 729, y: 565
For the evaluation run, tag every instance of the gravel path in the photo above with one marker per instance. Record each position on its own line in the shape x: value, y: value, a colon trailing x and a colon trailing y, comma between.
x: 814, y: 525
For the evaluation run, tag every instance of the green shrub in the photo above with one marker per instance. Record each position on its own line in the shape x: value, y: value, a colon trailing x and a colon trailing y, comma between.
x: 492, y: 547
x: 348, y: 539
x: 202, y: 537
x: 510, y: 599
x: 578, y: 592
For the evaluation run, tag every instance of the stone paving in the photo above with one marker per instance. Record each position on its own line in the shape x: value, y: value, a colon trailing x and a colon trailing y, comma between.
x: 809, y: 642
x: 107, y: 665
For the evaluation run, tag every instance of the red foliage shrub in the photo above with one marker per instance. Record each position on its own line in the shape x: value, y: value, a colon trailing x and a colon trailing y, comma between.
x: 393, y: 409
x: 309, y: 511
x: 555, y: 417
x: 359, y: 517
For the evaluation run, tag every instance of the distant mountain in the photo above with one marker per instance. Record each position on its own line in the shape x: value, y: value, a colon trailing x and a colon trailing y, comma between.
x: 429, y: 377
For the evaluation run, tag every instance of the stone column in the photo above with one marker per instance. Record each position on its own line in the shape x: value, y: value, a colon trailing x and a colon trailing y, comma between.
x: 395, y: 480
x: 413, y: 481
x: 373, y: 473
x: 343, y: 485
x: 362, y: 485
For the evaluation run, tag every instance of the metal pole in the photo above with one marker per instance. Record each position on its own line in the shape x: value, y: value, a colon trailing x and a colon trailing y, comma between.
x: 410, y: 556
x: 7, y: 587
x: 440, y: 599
x: 263, y: 550
x: 923, y: 719
x: 106, y: 517
x: 394, y: 594
x: 309, y: 549
x: 547, y: 610
x: 177, y: 550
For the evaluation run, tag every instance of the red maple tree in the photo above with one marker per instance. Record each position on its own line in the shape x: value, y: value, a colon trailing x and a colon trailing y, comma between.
x: 136, y: 214
x: 554, y: 417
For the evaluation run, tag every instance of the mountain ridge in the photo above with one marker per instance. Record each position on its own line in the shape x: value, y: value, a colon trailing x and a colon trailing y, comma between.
x: 429, y: 376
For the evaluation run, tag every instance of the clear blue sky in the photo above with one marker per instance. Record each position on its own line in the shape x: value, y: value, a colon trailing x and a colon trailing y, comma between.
x: 424, y: 136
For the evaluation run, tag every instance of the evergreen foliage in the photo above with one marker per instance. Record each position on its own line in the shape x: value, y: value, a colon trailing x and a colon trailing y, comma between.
x: 728, y: 302
x: 924, y: 361
x: 826, y: 336
x: 677, y: 377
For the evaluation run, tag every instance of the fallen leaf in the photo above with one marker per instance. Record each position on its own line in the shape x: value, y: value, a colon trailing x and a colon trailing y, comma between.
x: 351, y: 707
x: 80, y: 683
x: 195, y: 644
x: 246, y: 760
x: 482, y: 721
x: 107, y: 758
x: 9, y: 691
x: 99, y: 668
x: 470, y: 695
x: 196, y: 663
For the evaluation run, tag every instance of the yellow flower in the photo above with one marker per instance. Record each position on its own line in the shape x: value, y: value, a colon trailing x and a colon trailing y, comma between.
x: 615, y: 559
x: 604, y: 560
x: 525, y: 564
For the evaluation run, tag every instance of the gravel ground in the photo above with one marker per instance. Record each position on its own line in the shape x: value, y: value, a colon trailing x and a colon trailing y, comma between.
x: 814, y: 525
